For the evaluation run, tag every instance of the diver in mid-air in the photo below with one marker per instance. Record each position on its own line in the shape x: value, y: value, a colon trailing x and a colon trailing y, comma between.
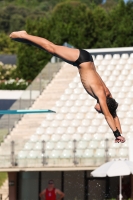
x: 90, y: 79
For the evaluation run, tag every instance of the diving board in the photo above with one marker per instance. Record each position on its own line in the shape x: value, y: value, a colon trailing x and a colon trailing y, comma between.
x: 13, y: 112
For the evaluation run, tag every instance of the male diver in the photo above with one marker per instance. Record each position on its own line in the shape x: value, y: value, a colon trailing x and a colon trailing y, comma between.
x: 90, y: 79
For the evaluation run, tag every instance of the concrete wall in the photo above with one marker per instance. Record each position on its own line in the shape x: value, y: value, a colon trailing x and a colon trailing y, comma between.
x: 29, y: 183
x: 28, y: 186
x: 74, y: 185
x: 114, y: 187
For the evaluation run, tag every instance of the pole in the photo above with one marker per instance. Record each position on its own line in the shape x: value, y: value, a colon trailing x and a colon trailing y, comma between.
x: 74, y: 152
x: 120, y: 188
x: 8, y: 124
x: 30, y: 94
x: 106, y: 150
x: 44, y: 162
x: 40, y: 81
x: 12, y: 154
x: 20, y: 107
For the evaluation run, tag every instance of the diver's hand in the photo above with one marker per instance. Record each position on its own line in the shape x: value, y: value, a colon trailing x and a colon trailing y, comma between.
x: 120, y: 139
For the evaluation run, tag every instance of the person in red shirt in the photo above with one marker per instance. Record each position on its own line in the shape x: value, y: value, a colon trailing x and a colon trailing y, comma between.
x: 51, y: 193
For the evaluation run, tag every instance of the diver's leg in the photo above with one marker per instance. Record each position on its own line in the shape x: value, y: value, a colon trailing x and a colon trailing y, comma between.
x: 66, y: 53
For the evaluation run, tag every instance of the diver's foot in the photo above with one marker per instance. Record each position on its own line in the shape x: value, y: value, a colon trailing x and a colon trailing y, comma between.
x: 18, y: 34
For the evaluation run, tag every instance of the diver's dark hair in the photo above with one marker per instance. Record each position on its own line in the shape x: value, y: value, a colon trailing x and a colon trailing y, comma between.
x: 112, y: 106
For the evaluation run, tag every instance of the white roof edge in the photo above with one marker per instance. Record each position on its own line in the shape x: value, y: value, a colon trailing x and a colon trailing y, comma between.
x: 119, y: 49
x: 47, y: 169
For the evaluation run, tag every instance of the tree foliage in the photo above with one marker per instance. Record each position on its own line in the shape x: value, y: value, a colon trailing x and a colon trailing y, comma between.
x: 110, y: 4
x: 14, y: 18
x: 6, y: 45
x: 121, y: 25
x: 31, y: 59
x: 14, y: 13
x: 75, y: 23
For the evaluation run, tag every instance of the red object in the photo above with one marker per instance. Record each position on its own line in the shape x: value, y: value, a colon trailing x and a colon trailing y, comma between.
x: 50, y: 194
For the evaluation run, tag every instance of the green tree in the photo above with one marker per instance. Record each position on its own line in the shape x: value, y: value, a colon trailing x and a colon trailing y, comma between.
x: 70, y: 23
x: 17, y: 22
x: 14, y: 17
x: 100, y: 28
x: 110, y: 4
x: 75, y: 23
x: 121, y: 26
x: 6, y: 45
x: 67, y: 23
x: 31, y: 59
x: 88, y: 2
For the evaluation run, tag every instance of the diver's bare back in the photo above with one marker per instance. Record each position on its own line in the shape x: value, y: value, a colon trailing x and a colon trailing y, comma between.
x: 90, y: 78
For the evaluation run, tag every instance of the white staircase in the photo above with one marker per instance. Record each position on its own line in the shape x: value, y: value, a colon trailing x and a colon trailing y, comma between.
x: 4, y: 190
x: 29, y: 123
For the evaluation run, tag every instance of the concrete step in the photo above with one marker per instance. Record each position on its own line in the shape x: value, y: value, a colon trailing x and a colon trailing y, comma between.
x: 4, y: 190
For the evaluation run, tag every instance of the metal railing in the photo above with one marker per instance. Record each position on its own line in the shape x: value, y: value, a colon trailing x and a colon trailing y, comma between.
x: 17, y: 156
x: 8, y: 122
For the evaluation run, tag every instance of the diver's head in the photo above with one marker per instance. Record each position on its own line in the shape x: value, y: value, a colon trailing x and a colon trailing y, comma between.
x: 112, y: 106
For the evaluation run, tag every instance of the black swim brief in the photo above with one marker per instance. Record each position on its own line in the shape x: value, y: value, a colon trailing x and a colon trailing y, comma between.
x: 84, y: 56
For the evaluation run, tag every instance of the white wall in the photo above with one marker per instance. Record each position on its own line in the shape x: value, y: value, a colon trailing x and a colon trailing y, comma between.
x: 10, y: 94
